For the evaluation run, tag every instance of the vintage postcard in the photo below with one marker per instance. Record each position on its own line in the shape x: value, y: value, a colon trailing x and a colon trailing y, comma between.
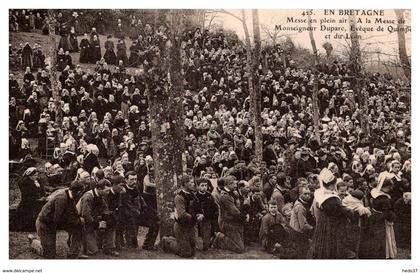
x: 210, y: 134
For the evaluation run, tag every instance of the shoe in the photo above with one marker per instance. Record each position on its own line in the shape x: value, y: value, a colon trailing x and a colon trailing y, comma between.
x: 83, y: 256
x: 112, y: 253
x: 31, y: 237
x: 75, y: 256
x: 164, y: 244
x: 149, y: 247
x: 215, y: 239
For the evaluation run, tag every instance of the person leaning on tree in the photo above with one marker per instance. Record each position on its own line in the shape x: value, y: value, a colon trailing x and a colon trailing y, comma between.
x: 187, y: 214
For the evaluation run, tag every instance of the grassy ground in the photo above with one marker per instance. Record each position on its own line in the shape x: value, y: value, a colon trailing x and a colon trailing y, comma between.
x: 19, y: 249
x: 17, y: 38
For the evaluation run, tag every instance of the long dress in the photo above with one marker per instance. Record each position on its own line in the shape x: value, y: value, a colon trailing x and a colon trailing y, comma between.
x: 95, y: 52
x: 84, y: 51
x: 378, y: 239
x: 27, y: 57
x: 64, y: 41
x: 61, y: 62
x: 134, y: 31
x: 134, y: 56
x: 109, y: 56
x: 39, y: 59
x: 119, y: 33
x: 329, y: 236
x: 29, y: 206
x: 122, y: 53
x: 73, y: 42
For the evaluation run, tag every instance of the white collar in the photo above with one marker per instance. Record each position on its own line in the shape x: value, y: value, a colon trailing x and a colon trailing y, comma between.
x: 70, y: 194
x: 187, y: 192
x: 375, y: 192
x: 322, y: 194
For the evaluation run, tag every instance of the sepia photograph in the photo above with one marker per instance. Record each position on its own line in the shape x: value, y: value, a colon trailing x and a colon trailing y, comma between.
x: 209, y: 134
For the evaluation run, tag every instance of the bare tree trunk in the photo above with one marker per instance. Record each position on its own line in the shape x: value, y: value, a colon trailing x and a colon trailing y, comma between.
x: 315, y: 97
x: 356, y: 65
x: 311, y: 36
x: 177, y: 87
x: 254, y: 84
x: 165, y: 105
x: 405, y: 62
x: 248, y: 62
x: 52, y: 59
x: 256, y: 96
x: 165, y: 177
x: 315, y: 105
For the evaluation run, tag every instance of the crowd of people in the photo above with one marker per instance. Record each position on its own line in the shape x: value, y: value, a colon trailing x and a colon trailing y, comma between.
x: 345, y: 196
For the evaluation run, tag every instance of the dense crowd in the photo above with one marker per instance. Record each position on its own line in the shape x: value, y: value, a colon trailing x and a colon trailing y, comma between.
x: 347, y: 196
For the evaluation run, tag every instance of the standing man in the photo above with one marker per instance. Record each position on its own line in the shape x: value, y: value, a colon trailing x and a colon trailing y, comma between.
x: 60, y: 213
x: 186, y: 217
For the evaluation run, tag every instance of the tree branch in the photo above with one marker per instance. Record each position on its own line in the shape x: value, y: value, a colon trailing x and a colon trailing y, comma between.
x: 233, y: 15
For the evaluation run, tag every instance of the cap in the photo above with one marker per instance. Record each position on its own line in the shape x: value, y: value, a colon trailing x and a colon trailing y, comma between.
x: 76, y: 186
x: 117, y: 179
x: 103, y: 183
x: 357, y: 194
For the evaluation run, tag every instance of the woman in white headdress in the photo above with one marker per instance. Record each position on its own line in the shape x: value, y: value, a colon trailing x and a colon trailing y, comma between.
x: 331, y: 218
x: 378, y: 239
